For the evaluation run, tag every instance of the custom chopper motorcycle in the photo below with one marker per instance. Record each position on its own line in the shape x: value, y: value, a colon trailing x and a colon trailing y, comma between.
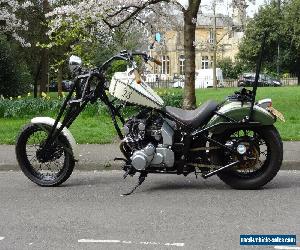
x: 235, y: 139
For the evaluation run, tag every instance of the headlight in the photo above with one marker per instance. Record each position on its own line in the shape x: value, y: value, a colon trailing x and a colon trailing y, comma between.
x: 75, y: 63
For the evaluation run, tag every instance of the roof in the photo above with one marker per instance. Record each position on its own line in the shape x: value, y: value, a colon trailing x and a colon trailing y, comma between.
x: 207, y: 20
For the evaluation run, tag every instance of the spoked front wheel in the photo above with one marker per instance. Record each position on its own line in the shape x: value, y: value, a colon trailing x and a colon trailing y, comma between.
x: 49, y: 166
x: 263, y: 156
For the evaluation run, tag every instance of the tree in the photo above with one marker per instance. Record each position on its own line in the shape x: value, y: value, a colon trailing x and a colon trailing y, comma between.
x: 190, y: 21
x: 35, y: 32
x: 227, y: 67
x: 232, y: 69
x: 92, y: 19
x: 14, y: 76
x: 285, y: 29
x: 10, y: 21
x: 291, y: 30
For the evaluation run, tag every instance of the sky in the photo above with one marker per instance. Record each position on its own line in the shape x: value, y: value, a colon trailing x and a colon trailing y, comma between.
x: 223, y: 6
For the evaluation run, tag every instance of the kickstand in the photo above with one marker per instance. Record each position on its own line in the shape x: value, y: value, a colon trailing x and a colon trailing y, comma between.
x: 142, y: 177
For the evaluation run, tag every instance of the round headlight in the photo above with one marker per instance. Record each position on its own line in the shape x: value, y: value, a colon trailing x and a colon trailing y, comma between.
x: 75, y: 63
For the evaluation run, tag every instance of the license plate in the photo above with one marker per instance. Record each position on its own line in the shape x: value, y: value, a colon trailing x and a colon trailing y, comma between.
x: 278, y: 114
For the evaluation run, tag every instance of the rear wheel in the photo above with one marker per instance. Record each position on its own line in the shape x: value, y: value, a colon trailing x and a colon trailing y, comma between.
x: 263, y: 156
x: 45, y: 167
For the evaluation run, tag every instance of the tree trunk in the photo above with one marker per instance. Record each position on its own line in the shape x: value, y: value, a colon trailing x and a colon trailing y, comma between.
x: 45, y: 54
x: 36, y: 81
x: 298, y: 71
x: 190, y: 17
x: 59, y: 81
x: 43, y: 74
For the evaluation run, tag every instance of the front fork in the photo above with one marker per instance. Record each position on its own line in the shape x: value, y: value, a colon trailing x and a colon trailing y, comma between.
x: 74, y: 109
x: 76, y: 106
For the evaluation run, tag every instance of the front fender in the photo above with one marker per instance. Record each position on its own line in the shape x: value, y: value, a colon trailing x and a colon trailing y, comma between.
x: 66, y: 132
x: 238, y: 112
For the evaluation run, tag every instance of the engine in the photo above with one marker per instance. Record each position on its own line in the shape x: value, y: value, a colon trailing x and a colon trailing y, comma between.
x: 150, y: 140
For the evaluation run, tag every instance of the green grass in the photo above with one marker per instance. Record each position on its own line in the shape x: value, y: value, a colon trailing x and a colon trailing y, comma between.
x: 285, y: 99
x: 96, y: 129
x: 99, y: 128
x: 10, y: 128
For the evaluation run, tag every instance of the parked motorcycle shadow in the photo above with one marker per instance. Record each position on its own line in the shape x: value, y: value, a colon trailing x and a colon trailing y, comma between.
x: 214, y: 184
x: 157, y: 184
x: 91, y: 179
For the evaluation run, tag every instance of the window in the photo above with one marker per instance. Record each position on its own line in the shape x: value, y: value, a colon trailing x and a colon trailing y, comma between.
x: 211, y: 36
x: 204, y: 62
x: 165, y: 68
x: 181, y: 64
x: 211, y: 61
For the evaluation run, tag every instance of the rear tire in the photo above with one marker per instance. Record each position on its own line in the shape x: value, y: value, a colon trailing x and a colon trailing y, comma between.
x: 53, y: 172
x: 235, y: 177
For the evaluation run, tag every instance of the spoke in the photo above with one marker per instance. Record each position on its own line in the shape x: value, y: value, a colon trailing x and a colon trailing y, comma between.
x: 56, y: 160
x: 34, y: 157
x: 257, y: 148
x: 265, y: 153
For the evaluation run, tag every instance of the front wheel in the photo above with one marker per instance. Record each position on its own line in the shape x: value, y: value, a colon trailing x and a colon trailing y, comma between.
x: 49, y: 166
x: 264, y: 153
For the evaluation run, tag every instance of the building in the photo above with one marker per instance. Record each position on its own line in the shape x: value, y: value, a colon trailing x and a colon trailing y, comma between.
x: 229, y: 32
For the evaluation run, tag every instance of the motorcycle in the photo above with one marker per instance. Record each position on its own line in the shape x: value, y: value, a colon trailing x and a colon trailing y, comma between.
x: 235, y: 139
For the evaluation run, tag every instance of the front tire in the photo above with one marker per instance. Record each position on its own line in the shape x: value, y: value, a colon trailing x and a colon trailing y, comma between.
x: 266, y: 153
x: 44, y: 172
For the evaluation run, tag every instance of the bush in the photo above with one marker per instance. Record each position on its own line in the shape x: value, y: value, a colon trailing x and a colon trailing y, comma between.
x: 31, y: 107
x: 28, y: 107
x: 171, y: 98
x: 230, y: 69
x: 14, y: 76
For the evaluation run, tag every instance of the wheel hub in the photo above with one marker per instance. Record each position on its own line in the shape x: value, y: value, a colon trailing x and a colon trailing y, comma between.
x: 241, y: 148
x: 248, y: 151
x: 251, y: 159
x: 48, y: 154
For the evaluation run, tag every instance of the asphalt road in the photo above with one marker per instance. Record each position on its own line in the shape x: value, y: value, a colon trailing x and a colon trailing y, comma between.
x: 166, y: 212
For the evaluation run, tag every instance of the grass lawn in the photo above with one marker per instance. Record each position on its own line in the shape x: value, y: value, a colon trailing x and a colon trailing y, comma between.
x: 99, y: 128
x: 285, y: 99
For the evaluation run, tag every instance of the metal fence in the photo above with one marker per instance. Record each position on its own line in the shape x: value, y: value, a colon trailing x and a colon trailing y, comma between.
x: 289, y: 80
x: 161, y: 84
x: 286, y: 80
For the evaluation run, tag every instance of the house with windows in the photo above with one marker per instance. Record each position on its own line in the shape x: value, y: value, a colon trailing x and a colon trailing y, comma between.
x: 229, y: 32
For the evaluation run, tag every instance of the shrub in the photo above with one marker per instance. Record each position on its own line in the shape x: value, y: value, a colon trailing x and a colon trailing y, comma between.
x: 172, y: 98
x: 30, y: 107
x: 27, y: 107
x: 14, y: 76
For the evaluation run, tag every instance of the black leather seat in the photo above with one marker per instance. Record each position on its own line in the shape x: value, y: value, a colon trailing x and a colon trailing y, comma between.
x: 193, y: 118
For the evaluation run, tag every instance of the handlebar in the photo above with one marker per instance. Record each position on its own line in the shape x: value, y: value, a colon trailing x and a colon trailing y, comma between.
x: 128, y: 56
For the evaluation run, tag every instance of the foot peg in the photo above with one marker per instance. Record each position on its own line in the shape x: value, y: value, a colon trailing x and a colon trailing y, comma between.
x: 120, y: 159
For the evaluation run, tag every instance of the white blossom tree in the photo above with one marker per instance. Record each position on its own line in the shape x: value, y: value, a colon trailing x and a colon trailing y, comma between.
x: 92, y: 19
x: 10, y: 22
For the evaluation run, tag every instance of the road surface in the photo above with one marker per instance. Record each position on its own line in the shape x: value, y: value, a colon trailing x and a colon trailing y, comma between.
x: 166, y: 212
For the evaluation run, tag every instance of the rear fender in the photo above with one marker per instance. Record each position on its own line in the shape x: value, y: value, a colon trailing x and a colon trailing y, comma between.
x: 49, y: 122
x: 238, y: 112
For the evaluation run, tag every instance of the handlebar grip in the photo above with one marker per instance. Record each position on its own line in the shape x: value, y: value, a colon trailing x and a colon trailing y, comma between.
x: 158, y: 62
x: 137, y: 77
